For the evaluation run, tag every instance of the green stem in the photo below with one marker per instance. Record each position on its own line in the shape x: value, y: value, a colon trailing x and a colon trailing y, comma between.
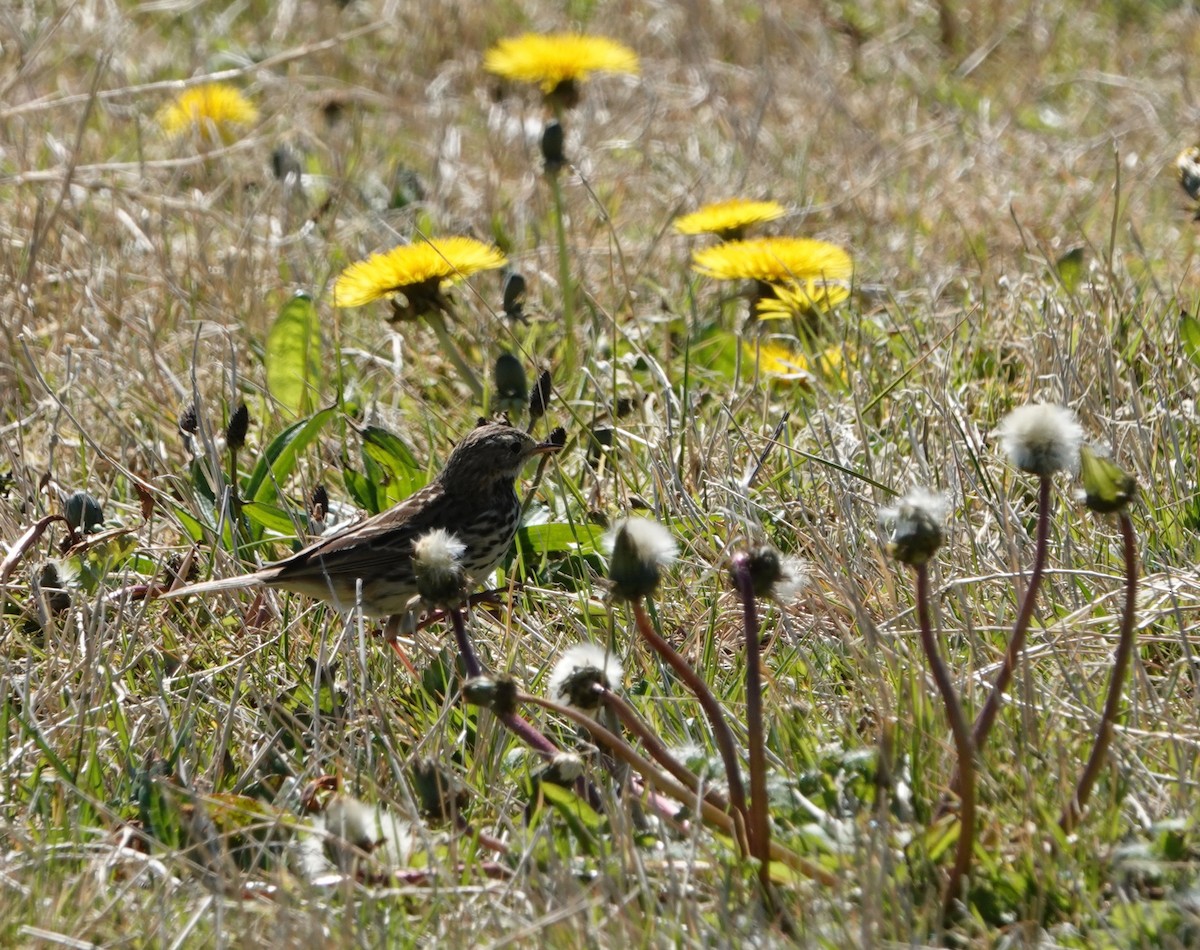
x: 722, y: 734
x: 1108, y: 719
x: 565, y: 283
x: 963, y: 742
x: 452, y: 352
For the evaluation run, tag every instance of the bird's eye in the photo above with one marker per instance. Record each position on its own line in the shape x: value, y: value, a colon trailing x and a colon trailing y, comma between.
x: 516, y: 448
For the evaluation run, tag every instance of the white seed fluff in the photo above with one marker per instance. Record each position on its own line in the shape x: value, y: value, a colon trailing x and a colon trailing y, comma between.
x: 1041, y: 439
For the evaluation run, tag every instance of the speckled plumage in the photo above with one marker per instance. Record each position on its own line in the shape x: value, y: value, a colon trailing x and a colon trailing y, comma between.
x: 473, y: 497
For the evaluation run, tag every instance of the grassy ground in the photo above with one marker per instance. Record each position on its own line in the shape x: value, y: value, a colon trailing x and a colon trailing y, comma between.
x: 154, y: 755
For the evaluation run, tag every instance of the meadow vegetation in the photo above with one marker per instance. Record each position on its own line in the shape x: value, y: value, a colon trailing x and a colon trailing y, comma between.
x: 260, y: 768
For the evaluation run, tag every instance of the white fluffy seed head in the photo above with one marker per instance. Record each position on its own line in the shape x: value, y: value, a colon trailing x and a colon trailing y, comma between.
x: 640, y: 550
x: 437, y: 566
x: 578, y: 671
x: 914, y: 525
x: 1041, y: 439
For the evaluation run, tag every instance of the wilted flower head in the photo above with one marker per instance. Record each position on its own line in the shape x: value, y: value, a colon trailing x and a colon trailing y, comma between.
x: 438, y: 569
x: 772, y: 575
x: 915, y: 526
x: 578, y: 671
x: 728, y: 219
x: 211, y: 112
x: 775, y: 260
x: 640, y: 550
x: 558, y: 62
x: 1041, y: 439
x: 1106, y: 486
x: 419, y: 273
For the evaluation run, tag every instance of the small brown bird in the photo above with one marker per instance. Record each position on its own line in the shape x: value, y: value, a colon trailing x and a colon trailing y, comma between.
x: 473, y: 498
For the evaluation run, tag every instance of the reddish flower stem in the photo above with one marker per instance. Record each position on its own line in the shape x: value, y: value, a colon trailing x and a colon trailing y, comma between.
x: 1016, y: 641
x: 722, y: 734
x: 963, y: 742
x: 758, y: 824
x: 1116, y: 682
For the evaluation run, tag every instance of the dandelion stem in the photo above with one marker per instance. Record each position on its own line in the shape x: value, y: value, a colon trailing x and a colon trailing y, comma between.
x: 758, y: 822
x: 722, y: 734
x: 466, y: 648
x: 521, y: 728
x: 1104, y: 732
x: 452, y: 352
x: 566, y: 285
x: 659, y: 752
x: 963, y: 742
x: 653, y: 777
x: 1016, y: 642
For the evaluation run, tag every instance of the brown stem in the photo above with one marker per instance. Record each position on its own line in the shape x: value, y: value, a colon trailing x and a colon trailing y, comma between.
x: 1016, y: 641
x: 652, y: 776
x: 722, y: 734
x: 519, y: 727
x: 659, y: 752
x: 1116, y: 682
x: 758, y: 823
x: 963, y: 742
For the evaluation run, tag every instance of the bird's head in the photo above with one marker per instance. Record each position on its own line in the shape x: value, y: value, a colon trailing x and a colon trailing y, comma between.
x: 492, y: 452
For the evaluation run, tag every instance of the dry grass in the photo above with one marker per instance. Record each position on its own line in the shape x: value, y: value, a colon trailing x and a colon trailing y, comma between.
x: 153, y: 757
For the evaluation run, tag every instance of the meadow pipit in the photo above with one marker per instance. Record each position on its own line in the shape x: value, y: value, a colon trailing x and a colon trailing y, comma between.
x: 473, y: 498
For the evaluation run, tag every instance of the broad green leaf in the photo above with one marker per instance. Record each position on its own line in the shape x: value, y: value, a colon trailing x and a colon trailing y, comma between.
x: 270, y: 517
x: 544, y: 538
x: 360, y: 488
x: 278, y: 460
x: 401, y: 474
x: 293, y: 355
x: 1189, y: 336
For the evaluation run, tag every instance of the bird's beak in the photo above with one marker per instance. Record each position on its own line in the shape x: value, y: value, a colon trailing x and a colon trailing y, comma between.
x: 558, y: 438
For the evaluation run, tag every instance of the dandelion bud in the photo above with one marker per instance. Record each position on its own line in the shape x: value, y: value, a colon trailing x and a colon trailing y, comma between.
x: 514, y: 296
x: 916, y: 526
x: 1107, y: 487
x: 579, y: 672
x: 188, y: 423
x: 480, y: 691
x: 239, y: 424
x: 552, y: 147
x: 285, y: 166
x: 319, y: 506
x: 640, y: 550
x: 512, y: 389
x: 773, y: 576
x: 558, y: 436
x: 563, y: 769
x: 83, y: 512
x: 539, y: 399
x: 438, y: 569
x: 1041, y: 439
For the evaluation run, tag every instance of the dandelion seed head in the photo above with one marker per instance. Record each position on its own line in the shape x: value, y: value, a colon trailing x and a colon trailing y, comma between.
x: 1041, y: 439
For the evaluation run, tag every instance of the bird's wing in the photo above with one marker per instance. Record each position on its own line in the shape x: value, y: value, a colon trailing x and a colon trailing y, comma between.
x: 362, y: 549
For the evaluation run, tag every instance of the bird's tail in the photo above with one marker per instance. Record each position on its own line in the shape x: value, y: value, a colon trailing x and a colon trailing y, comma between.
x: 211, y: 587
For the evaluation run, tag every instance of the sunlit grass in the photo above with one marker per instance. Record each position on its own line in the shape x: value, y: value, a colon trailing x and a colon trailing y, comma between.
x: 156, y: 755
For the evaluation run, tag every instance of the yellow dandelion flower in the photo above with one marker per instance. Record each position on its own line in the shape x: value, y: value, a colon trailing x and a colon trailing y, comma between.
x: 728, y: 219
x: 558, y: 60
x: 781, y: 362
x: 419, y: 273
x: 211, y: 111
x: 774, y: 260
x: 798, y: 298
